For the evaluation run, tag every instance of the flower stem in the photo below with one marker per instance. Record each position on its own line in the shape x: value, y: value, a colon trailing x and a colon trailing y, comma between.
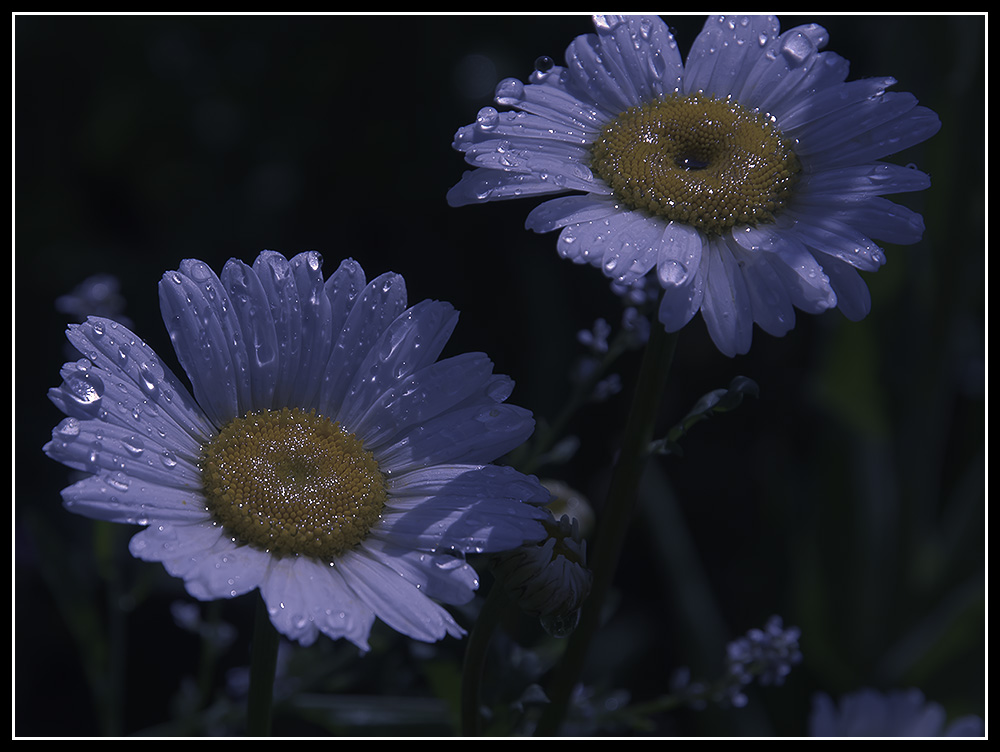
x: 615, y: 519
x: 263, y: 663
x: 475, y: 656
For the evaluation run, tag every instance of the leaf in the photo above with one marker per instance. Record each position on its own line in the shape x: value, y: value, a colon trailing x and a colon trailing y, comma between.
x: 716, y: 401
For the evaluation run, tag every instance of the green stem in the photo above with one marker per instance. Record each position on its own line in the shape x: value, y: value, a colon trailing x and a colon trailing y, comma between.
x: 614, y: 523
x: 475, y: 657
x: 263, y: 663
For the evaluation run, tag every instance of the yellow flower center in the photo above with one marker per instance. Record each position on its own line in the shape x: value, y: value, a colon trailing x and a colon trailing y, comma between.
x: 291, y: 482
x: 707, y: 162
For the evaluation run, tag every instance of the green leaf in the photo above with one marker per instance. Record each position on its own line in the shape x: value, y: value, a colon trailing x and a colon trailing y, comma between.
x: 716, y: 401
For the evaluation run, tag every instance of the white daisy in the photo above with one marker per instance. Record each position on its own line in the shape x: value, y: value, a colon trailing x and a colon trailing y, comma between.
x: 327, y: 457
x: 747, y: 179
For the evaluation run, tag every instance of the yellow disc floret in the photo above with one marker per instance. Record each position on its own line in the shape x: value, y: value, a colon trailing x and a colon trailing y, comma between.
x: 706, y: 162
x: 292, y: 483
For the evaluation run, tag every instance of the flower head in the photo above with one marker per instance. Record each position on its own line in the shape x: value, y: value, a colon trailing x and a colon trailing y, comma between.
x: 899, y: 713
x: 326, y: 457
x: 747, y: 180
x: 549, y: 579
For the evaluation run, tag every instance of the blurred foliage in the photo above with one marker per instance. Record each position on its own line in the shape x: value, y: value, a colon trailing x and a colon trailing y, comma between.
x: 848, y: 497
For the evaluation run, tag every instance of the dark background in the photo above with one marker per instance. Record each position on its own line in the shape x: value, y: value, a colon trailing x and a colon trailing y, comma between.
x: 849, y: 497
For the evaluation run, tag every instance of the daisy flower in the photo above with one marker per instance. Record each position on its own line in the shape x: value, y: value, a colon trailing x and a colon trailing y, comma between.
x: 747, y: 180
x: 325, y: 455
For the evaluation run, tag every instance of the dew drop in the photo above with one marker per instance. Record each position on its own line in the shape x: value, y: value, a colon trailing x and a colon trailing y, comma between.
x: 487, y: 119
x: 85, y: 388
x: 672, y: 272
x: 510, y: 91
x: 119, y: 481
x: 543, y: 64
x: 134, y: 445
x: 68, y: 429
x: 796, y: 48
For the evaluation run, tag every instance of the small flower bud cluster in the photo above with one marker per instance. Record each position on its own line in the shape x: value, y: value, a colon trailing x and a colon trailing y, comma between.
x: 766, y: 655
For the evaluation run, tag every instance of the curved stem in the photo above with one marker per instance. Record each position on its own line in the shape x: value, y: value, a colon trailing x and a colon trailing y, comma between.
x: 475, y: 657
x: 263, y: 663
x: 617, y: 515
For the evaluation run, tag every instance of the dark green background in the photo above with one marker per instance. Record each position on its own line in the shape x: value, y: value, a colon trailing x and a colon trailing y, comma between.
x: 849, y: 498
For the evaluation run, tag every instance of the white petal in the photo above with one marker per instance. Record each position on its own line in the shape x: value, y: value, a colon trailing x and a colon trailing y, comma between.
x: 410, y: 344
x: 202, y: 555
x: 256, y: 324
x: 726, y: 306
x: 374, y: 309
x: 394, y: 599
x: 722, y: 54
x: 474, y: 434
x: 853, y: 297
x: 203, y: 331
x: 444, y: 576
x: 641, y: 54
x: 482, y: 185
x: 569, y: 210
x: 680, y: 254
x: 117, y: 497
x: 305, y: 596
x: 142, y: 392
x: 420, y: 397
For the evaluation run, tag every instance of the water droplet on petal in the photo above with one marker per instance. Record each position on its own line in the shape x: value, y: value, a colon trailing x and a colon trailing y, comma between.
x: 510, y: 91
x: 85, y: 388
x: 134, y: 445
x: 68, y: 429
x: 487, y: 119
x: 797, y: 48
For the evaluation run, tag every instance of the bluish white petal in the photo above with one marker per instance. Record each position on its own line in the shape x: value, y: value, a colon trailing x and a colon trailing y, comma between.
x: 118, y: 497
x: 599, y: 241
x: 679, y: 255
x: 94, y: 446
x: 410, y: 344
x: 444, y: 576
x: 641, y: 55
x: 202, y: 328
x: 854, y: 183
x: 839, y: 240
x: 141, y: 391
x: 202, y: 555
x: 772, y: 305
x: 723, y: 53
x: 374, y: 309
x: 482, y: 185
x: 306, y: 597
x: 853, y: 297
x: 790, y: 68
x: 480, y: 432
x: 252, y: 309
x: 726, y: 306
x: 549, y: 99
x: 419, y: 397
x: 467, y: 508
x: 569, y: 210
x: 394, y: 598
x: 317, y: 328
x: 589, y: 77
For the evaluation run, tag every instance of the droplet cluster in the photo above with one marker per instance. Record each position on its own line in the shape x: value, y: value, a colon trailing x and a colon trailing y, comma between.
x: 710, y: 163
x: 292, y: 482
